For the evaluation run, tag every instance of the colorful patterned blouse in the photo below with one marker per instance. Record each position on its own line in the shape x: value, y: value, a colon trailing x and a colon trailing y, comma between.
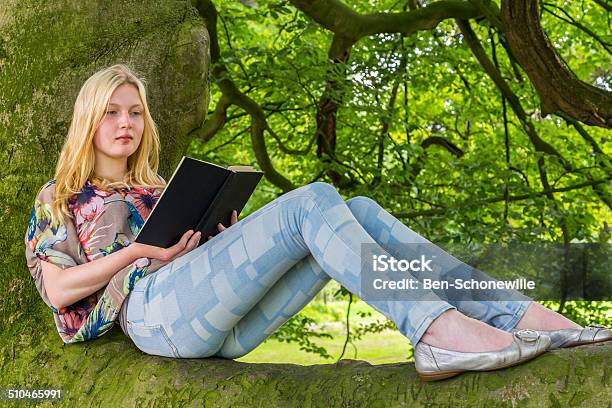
x: 104, y: 222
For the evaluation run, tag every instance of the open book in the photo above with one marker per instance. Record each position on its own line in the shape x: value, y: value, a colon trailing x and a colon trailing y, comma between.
x: 198, y: 196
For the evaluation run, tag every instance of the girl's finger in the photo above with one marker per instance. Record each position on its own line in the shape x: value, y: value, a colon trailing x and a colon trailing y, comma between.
x: 234, y: 217
x: 181, y: 245
x: 191, y: 245
x: 195, y: 238
x: 185, y: 238
x: 220, y: 227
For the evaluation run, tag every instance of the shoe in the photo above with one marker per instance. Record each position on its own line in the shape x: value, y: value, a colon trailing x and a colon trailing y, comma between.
x: 433, y: 363
x: 593, y: 333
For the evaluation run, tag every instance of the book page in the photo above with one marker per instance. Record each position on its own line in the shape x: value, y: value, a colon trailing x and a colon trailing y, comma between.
x: 241, y: 168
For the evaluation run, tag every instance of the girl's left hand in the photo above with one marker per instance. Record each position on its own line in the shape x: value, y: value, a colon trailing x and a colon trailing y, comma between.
x: 233, y: 220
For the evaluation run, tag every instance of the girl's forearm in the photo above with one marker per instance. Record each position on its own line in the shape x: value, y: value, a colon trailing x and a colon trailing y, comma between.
x: 75, y: 283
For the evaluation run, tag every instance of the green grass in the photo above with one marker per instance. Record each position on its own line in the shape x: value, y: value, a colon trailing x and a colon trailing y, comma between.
x: 376, y: 348
x: 388, y: 346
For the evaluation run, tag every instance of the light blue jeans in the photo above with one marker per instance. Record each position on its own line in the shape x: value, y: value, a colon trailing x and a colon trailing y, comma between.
x: 227, y: 296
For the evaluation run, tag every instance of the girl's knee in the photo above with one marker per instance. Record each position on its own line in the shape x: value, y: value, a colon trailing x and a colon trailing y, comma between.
x: 361, y: 206
x: 361, y: 201
x: 321, y: 188
x: 320, y: 192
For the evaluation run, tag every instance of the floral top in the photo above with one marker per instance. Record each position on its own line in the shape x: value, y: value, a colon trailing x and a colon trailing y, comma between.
x: 104, y: 222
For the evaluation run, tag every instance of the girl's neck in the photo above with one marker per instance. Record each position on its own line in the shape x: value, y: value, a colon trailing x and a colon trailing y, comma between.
x: 112, y: 174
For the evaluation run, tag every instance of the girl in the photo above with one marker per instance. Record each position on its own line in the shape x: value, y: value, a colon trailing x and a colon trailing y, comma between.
x: 224, y: 297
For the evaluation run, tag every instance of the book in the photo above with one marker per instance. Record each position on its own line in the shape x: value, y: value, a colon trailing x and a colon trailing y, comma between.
x: 198, y: 196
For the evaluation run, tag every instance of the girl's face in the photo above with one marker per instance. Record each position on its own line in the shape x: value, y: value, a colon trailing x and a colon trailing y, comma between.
x: 119, y: 134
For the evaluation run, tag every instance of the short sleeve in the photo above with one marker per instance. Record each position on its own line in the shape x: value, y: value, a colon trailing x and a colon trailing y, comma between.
x: 57, y: 244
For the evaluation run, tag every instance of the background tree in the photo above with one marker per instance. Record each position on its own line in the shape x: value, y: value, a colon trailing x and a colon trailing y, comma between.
x: 443, y: 111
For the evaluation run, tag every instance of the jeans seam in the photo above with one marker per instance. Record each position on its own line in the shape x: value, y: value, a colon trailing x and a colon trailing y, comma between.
x: 514, y: 319
x: 161, y: 330
x: 169, y: 342
x: 430, y: 320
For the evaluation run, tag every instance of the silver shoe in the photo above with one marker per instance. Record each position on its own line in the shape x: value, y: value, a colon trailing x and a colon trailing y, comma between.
x: 433, y: 363
x: 593, y: 333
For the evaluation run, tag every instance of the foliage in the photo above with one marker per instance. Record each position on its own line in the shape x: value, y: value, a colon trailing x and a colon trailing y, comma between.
x: 296, y: 330
x: 277, y: 56
x: 584, y: 313
x: 420, y: 127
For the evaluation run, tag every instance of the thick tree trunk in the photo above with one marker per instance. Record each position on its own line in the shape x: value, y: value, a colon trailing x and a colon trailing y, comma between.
x: 47, y: 50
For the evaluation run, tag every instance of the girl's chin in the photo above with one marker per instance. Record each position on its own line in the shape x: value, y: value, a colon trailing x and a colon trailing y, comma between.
x: 121, y: 153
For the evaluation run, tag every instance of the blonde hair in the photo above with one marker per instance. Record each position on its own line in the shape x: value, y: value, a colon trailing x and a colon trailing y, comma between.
x: 76, y: 161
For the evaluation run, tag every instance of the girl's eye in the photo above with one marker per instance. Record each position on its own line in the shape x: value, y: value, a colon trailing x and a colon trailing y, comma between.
x: 111, y: 112
x: 136, y: 113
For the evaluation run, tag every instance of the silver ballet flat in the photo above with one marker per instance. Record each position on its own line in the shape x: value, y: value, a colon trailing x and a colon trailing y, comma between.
x: 433, y: 363
x: 593, y: 333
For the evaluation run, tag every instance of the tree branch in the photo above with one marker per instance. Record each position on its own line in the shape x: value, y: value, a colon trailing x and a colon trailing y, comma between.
x: 342, y: 20
x: 539, y: 144
x: 214, y: 122
x: 288, y: 150
x: 604, y: 4
x: 230, y: 91
x: 559, y: 89
x: 571, y: 21
x: 386, y: 119
x: 328, y: 105
x: 430, y: 141
x: 476, y: 203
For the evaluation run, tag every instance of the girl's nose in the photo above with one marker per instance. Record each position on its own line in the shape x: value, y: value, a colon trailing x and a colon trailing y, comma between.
x: 124, y: 120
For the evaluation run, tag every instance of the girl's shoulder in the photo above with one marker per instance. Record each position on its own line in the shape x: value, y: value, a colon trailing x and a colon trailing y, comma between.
x: 45, y: 193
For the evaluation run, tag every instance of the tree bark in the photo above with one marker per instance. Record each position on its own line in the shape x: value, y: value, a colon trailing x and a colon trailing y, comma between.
x: 111, y: 371
x: 48, y: 51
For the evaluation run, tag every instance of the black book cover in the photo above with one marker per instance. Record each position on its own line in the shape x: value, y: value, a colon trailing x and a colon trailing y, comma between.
x: 198, y: 196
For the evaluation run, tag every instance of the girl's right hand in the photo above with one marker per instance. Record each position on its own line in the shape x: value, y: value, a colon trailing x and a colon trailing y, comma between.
x: 187, y: 243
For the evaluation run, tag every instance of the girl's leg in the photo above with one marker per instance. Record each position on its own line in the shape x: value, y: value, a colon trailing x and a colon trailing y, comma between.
x: 200, y: 297
x: 304, y: 280
x: 290, y: 294
x: 503, y: 310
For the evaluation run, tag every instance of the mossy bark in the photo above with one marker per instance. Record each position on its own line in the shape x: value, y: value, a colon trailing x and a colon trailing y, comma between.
x: 110, y: 371
x: 47, y: 50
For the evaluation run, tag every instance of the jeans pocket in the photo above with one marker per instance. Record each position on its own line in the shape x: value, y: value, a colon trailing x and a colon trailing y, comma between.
x: 152, y: 339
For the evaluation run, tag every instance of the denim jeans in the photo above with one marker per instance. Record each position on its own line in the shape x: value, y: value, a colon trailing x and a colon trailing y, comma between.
x: 229, y: 294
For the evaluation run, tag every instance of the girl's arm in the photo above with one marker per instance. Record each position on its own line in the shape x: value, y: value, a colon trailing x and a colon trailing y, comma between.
x: 67, y: 286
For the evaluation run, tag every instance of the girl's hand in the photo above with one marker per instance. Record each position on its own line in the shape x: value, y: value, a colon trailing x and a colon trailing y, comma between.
x: 188, y: 242
x: 233, y: 220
